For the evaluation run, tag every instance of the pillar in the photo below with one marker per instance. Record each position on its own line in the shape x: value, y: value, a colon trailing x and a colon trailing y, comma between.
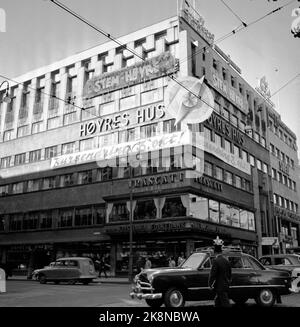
x: 113, y: 260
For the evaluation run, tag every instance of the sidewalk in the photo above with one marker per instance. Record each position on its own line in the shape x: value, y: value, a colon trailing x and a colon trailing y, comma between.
x: 108, y: 280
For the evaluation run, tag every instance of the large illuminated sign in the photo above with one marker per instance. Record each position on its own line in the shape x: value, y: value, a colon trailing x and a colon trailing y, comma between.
x: 160, y: 65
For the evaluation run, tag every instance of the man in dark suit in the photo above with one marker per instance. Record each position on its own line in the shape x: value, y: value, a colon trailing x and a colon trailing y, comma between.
x: 220, y: 276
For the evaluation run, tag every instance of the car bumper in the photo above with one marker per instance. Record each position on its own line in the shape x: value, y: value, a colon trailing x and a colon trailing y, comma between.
x: 146, y: 296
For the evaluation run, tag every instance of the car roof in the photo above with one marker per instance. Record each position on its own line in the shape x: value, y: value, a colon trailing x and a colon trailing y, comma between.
x: 73, y: 258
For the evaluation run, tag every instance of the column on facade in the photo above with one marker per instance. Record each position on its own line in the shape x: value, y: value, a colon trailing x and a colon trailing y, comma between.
x: 257, y: 214
x: 17, y: 108
x: 62, y: 93
x: 79, y: 92
x: 33, y: 90
x: 3, y: 108
x: 184, y: 52
x: 47, y: 97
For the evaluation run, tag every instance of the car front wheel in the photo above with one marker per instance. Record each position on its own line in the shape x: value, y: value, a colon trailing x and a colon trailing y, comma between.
x: 42, y: 279
x: 265, y: 298
x: 174, y: 298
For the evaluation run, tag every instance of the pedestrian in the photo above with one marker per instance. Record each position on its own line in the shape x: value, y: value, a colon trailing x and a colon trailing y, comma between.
x: 103, y: 266
x: 220, y: 276
x: 181, y: 259
x: 172, y: 262
x: 148, y: 263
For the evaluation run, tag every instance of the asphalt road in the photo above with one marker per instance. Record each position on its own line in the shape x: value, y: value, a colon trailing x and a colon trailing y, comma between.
x: 33, y: 294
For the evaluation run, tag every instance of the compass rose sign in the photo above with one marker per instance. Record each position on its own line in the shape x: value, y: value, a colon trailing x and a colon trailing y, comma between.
x: 189, y: 100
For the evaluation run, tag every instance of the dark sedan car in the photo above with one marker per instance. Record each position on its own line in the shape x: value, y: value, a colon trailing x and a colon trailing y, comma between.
x: 189, y: 281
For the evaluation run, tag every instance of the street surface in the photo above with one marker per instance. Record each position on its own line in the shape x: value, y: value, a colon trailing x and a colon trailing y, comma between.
x: 32, y: 294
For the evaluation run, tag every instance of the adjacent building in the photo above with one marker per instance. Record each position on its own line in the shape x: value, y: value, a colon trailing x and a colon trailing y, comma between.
x: 58, y: 197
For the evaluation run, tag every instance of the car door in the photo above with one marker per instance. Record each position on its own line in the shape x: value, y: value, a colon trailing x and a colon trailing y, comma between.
x: 244, y: 277
x: 70, y: 270
x: 197, y: 282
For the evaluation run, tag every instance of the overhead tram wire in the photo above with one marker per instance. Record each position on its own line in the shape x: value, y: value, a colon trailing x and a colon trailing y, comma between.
x: 235, y: 31
x: 236, y: 15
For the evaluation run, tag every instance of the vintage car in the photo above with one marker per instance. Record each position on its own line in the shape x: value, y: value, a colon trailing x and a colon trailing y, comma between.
x: 286, y: 262
x: 35, y: 273
x: 189, y: 281
x: 71, y: 270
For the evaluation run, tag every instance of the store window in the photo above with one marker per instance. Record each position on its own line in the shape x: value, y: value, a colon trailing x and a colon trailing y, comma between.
x: 66, y: 180
x: 235, y: 217
x: 85, y: 177
x: 65, y: 218
x: 225, y: 214
x: 33, y: 185
x: 99, y: 215
x: 31, y: 220
x: 208, y: 168
x: 173, y: 208
x: 83, y: 216
x: 244, y: 219
x: 49, y: 182
x: 119, y: 212
x: 46, y: 219
x: 199, y: 207
x: 145, y: 209
x: 219, y: 173
x: 214, y: 211
x: 251, y: 221
x: 228, y: 177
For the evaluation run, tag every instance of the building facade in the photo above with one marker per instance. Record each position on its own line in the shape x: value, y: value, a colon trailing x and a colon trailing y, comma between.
x: 60, y: 195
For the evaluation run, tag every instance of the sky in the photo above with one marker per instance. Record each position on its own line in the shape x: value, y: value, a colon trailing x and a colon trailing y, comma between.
x: 39, y: 33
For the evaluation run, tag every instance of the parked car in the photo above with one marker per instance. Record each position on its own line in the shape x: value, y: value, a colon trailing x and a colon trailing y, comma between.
x: 286, y: 262
x: 71, y: 270
x: 7, y: 268
x: 189, y: 281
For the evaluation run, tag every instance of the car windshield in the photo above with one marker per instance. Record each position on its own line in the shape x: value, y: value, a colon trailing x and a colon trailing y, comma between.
x: 194, y: 260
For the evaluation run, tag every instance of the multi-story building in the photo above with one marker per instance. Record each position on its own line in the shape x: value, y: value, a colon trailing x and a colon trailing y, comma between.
x: 58, y: 198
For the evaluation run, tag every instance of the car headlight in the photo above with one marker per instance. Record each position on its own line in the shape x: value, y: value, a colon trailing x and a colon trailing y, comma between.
x: 150, y: 278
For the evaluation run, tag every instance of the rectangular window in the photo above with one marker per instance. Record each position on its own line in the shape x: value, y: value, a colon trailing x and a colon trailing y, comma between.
x: 23, y: 131
x: 65, y: 218
x: 46, y: 219
x: 128, y: 102
x: 37, y: 127
x: 70, y: 118
x: 228, y: 177
x: 258, y: 164
x: 86, y: 144
x: 49, y: 182
x: 236, y: 151
x: 217, y: 107
x: 207, y: 133
x: 51, y: 152
x: 265, y: 168
x: 17, y: 187
x: 3, y: 190
x: 244, y: 219
x: 234, y: 120
x: 199, y: 207
x: 285, y: 180
x: 31, y: 220
x: 5, y: 162
x: 225, y: 214
x: 279, y: 177
x: 225, y: 113
x: 66, y: 180
x: 33, y: 185
x: 53, y: 123
x: 274, y: 175
x: 219, y: 173
x: 208, y: 168
x: 245, y: 156
x: 127, y: 135
x: 242, y: 126
x: 227, y: 146
x: 7, y: 135
x: 218, y: 140
x: 252, y: 160
x: 85, y: 177
x: 235, y: 217
x: 169, y: 126
x: 35, y: 155
x: 294, y: 186
x: 68, y: 148
x: 214, y: 212
x: 151, y: 96
x: 88, y: 113
x: 263, y: 141
x: 256, y: 137
x: 20, y: 159
x: 83, y: 217
x: 238, y: 182
x: 107, y: 108
x: 149, y: 130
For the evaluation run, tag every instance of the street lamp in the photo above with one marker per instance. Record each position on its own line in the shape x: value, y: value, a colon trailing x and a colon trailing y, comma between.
x: 130, y: 261
x: 6, y: 98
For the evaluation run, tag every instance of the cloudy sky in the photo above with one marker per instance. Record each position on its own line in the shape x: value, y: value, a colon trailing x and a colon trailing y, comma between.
x: 39, y: 33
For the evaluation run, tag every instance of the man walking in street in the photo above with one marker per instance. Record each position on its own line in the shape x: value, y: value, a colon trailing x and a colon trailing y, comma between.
x: 220, y: 276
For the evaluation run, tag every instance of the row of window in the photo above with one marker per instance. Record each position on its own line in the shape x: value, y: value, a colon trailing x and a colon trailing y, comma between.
x: 285, y: 203
x: 284, y: 179
x: 57, y: 218
x: 132, y: 134
x: 274, y: 127
x: 281, y: 156
x: 226, y: 176
x: 222, y: 142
